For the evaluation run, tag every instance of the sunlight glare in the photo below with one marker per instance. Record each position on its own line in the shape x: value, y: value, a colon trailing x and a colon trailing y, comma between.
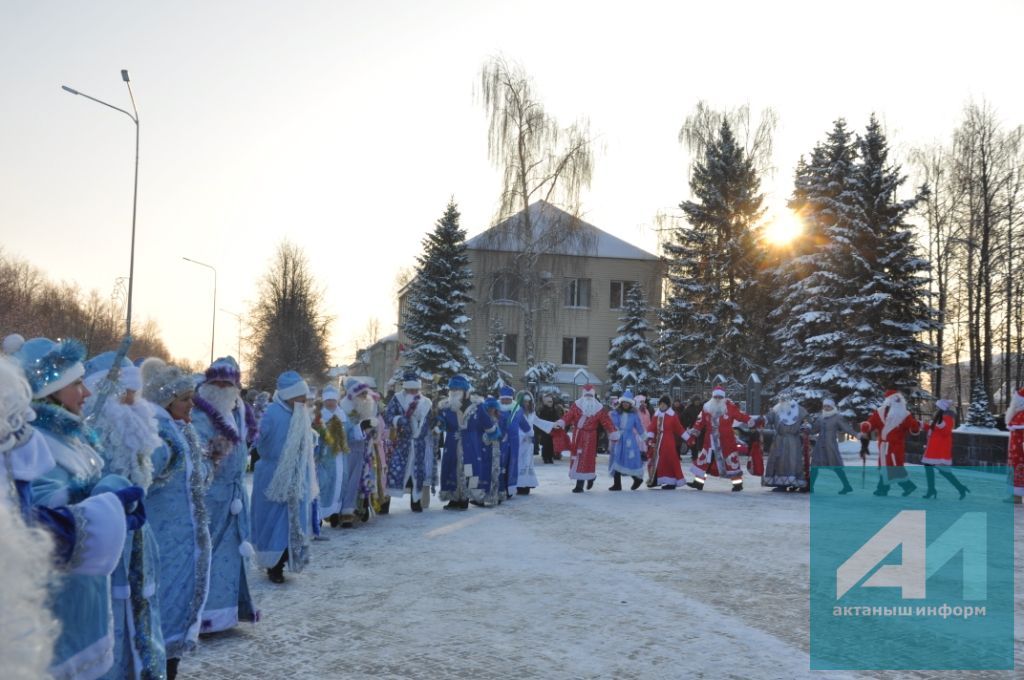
x: 783, y: 229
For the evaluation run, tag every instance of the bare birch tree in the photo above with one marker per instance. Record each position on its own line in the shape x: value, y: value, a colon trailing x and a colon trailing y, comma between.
x: 543, y: 165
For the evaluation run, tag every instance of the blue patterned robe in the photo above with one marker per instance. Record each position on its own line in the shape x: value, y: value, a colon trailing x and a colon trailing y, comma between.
x: 453, y: 469
x: 479, y: 438
x: 227, y: 510
x: 275, y: 526
x: 627, y: 453
x: 81, y: 599
x: 509, y: 448
x: 412, y: 459
x: 176, y: 511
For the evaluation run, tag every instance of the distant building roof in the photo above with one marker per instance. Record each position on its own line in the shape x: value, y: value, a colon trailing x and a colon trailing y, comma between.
x: 586, y: 239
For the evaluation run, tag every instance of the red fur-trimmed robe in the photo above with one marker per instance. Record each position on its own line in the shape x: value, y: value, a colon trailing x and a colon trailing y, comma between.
x: 583, y: 449
x: 891, y: 441
x: 1015, y: 452
x: 720, y: 455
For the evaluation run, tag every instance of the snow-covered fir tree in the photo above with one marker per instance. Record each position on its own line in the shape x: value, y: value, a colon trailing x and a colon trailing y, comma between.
x: 631, y: 359
x: 540, y: 374
x: 711, y: 320
x: 492, y: 375
x: 854, y: 305
x: 980, y: 412
x: 811, y: 321
x: 885, y: 344
x: 435, y: 321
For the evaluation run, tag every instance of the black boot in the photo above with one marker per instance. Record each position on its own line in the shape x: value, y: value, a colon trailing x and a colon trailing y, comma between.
x: 846, y: 482
x: 929, y: 473
x: 957, y: 484
x: 522, y: 491
x: 385, y: 507
x: 415, y: 506
x: 464, y: 505
x: 908, y: 487
x: 276, y: 573
x: 172, y: 668
x: 579, y: 486
x: 737, y: 487
x: 668, y: 487
x: 334, y: 521
x: 637, y: 481
x: 590, y: 484
x: 695, y: 484
x: 453, y: 505
x: 617, y: 485
x: 882, y: 490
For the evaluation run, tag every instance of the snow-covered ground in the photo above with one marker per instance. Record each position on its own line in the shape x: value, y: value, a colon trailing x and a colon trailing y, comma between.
x: 644, y: 584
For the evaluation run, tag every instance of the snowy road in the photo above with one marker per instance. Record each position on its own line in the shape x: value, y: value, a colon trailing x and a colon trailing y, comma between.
x: 651, y: 583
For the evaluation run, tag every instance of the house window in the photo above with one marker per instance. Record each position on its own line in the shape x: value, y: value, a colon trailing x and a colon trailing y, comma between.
x: 509, y: 344
x: 618, y: 293
x: 574, y: 351
x: 577, y: 293
x: 505, y: 288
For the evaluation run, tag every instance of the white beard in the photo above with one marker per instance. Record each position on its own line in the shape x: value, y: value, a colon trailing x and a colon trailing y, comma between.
x: 897, y: 414
x: 455, y: 398
x: 129, y: 435
x: 589, y: 406
x: 507, y: 408
x: 223, y: 399
x: 27, y: 628
x: 1015, y: 407
x: 787, y: 411
x: 716, y: 409
x: 366, y: 409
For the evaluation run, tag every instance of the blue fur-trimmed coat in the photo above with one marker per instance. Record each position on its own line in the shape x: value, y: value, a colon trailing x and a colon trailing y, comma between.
x: 413, y: 456
x: 176, y: 511
x: 478, y: 445
x: 227, y: 509
x: 81, y: 599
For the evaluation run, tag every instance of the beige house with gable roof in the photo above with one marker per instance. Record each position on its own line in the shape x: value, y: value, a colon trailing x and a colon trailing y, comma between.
x: 583, y: 286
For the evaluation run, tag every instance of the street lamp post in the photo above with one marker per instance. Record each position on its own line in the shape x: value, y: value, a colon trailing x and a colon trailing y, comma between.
x: 135, y: 192
x: 213, y: 327
x: 238, y: 317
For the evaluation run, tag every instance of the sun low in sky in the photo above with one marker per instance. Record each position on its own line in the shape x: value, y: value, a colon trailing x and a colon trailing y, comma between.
x: 783, y: 228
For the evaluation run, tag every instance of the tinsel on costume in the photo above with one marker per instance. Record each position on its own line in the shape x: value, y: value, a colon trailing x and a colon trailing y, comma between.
x: 335, y: 437
x: 70, y: 429
x: 184, y: 443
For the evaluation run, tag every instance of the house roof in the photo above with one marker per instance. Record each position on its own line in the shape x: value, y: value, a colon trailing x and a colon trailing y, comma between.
x: 585, y: 238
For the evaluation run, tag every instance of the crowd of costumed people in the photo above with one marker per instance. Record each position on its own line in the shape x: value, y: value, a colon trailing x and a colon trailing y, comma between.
x: 130, y: 530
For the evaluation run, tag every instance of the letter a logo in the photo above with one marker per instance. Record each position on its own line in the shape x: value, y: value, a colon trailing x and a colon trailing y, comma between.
x: 907, y: 529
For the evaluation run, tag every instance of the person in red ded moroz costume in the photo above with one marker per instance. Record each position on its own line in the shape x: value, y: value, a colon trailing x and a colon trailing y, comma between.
x: 720, y: 455
x: 893, y: 422
x: 1015, y: 453
x: 583, y: 416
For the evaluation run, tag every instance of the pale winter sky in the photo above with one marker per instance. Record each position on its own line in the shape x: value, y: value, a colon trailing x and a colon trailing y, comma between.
x: 345, y: 126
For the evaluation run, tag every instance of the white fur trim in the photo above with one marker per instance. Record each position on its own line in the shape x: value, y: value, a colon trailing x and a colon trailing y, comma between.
x: 69, y: 376
x: 718, y: 393
x: 246, y: 550
x: 299, y: 389
x: 101, y: 534
x: 412, y: 385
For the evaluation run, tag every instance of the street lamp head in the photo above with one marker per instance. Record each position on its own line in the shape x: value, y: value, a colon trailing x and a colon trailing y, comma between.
x: 68, y: 89
x: 124, y: 75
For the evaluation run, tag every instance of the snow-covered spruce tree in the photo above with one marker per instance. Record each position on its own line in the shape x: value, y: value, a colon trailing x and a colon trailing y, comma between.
x: 631, y: 359
x: 435, y: 321
x: 812, y: 321
x: 710, y: 323
x: 980, y: 412
x: 492, y: 375
x: 540, y: 374
x: 884, y: 346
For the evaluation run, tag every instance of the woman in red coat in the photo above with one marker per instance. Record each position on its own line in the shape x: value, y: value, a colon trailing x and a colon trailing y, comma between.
x: 664, y: 430
x: 939, y: 452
